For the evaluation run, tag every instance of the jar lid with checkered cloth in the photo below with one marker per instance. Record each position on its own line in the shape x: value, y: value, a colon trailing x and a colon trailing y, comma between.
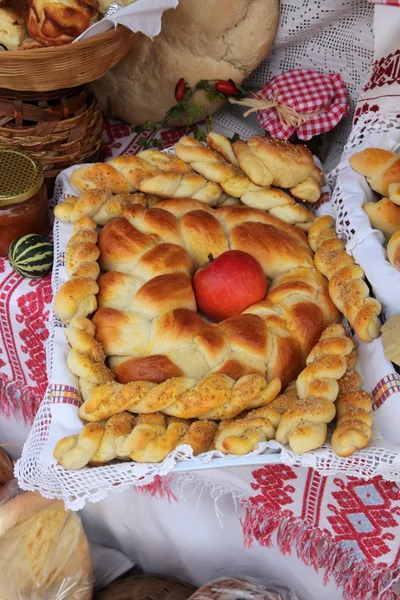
x: 301, y: 102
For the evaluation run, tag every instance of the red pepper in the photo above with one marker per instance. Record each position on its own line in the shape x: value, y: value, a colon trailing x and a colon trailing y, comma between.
x: 228, y: 88
x: 180, y: 90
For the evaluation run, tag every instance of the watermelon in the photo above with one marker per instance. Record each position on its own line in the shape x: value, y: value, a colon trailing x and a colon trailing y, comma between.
x: 31, y: 255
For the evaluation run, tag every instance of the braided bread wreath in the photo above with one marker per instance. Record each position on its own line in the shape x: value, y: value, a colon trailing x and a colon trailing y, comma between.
x: 146, y: 351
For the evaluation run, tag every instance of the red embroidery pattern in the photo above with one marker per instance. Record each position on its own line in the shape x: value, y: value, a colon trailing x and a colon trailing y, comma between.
x: 34, y: 313
x: 312, y: 498
x: 274, y: 491
x: 364, y: 109
x: 385, y: 71
x: 365, y: 511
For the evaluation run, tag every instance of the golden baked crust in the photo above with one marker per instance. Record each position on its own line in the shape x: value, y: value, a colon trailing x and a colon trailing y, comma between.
x: 380, y: 167
x: 13, y: 29
x: 58, y: 22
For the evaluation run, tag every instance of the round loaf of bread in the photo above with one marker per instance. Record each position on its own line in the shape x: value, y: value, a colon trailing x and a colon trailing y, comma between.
x: 210, y: 40
x: 44, y: 549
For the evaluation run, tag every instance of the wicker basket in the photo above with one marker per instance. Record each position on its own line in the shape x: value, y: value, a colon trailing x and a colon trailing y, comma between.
x: 6, y: 468
x: 146, y: 587
x: 48, y: 69
x: 60, y: 128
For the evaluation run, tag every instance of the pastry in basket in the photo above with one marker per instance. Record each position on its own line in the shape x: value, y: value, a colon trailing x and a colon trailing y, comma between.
x: 146, y: 351
x: 58, y: 22
x: 382, y: 170
x: 13, y: 29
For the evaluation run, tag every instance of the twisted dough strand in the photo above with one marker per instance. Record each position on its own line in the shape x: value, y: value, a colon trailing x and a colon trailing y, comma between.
x: 347, y: 286
x: 102, y: 206
x: 77, y: 296
x: 144, y: 438
x: 235, y: 183
x: 267, y: 161
x: 353, y: 426
x: 152, y: 172
x: 304, y: 426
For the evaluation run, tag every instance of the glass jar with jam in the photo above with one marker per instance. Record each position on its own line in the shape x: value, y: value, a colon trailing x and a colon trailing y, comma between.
x: 23, y: 197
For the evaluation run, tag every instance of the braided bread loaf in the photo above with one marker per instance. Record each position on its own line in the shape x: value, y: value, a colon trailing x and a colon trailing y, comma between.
x: 347, y: 286
x: 165, y: 175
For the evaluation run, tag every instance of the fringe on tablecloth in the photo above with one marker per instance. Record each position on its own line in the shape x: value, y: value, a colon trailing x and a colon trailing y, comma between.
x: 314, y: 547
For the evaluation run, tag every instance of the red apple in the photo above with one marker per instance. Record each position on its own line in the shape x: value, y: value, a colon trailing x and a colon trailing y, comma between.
x: 229, y: 284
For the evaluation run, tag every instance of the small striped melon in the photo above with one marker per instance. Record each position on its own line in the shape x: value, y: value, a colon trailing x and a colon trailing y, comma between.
x: 31, y: 255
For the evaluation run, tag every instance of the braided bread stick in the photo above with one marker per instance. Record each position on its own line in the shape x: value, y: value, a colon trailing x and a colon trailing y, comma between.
x: 235, y: 183
x: 77, y: 296
x: 101, y: 205
x: 277, y: 162
x: 241, y: 436
x: 347, y: 286
x: 144, y: 438
x: 354, y: 421
x: 86, y: 359
x: 152, y: 172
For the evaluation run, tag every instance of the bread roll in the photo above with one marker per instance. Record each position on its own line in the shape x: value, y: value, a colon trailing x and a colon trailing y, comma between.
x: 383, y: 215
x: 380, y: 167
x: 12, y: 26
x: 58, y: 22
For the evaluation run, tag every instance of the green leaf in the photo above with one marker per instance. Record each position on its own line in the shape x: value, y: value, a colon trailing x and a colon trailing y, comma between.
x: 209, y: 123
x: 200, y: 135
x: 194, y: 109
x: 137, y: 129
x: 203, y: 84
x: 234, y: 138
x: 214, y: 96
x: 157, y: 143
x: 142, y: 141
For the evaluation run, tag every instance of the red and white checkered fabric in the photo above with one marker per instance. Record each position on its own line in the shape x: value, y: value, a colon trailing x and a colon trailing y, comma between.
x: 304, y: 91
x: 388, y: 2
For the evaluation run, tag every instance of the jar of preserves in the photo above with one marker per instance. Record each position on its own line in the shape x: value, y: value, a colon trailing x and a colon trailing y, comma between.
x: 23, y: 197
